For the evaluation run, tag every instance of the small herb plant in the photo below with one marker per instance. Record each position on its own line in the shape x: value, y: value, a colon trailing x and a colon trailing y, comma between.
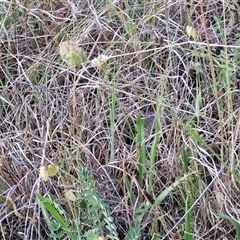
x: 89, y: 217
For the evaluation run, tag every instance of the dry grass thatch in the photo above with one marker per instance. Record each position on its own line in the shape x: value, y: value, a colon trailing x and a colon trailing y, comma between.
x: 185, y: 90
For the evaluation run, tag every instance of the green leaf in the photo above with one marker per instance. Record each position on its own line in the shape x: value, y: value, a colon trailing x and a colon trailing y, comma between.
x: 232, y: 220
x: 16, y: 14
x: 45, y: 202
x: 140, y: 140
x: 7, y: 23
x: 187, y: 234
x: 130, y: 191
x: 134, y: 233
x: 169, y: 189
x: 185, y: 160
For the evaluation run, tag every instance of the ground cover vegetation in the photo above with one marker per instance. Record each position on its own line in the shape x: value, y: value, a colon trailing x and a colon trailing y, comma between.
x: 120, y: 119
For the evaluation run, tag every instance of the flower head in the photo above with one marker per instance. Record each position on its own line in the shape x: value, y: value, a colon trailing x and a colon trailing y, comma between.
x: 100, y: 62
x: 191, y: 32
x: 72, y: 54
x: 70, y: 196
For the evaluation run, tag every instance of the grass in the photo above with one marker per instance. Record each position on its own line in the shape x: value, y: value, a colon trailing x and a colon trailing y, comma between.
x: 143, y: 126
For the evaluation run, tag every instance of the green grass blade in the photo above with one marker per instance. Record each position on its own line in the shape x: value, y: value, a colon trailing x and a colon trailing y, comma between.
x: 169, y: 189
x: 153, y: 157
x: 187, y: 234
x: 47, y: 205
x: 233, y: 221
x: 112, y: 121
x: 130, y: 191
x: 141, y: 151
x: 185, y: 160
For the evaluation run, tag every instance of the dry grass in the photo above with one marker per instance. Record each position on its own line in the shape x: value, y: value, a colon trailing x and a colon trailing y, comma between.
x: 185, y: 90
